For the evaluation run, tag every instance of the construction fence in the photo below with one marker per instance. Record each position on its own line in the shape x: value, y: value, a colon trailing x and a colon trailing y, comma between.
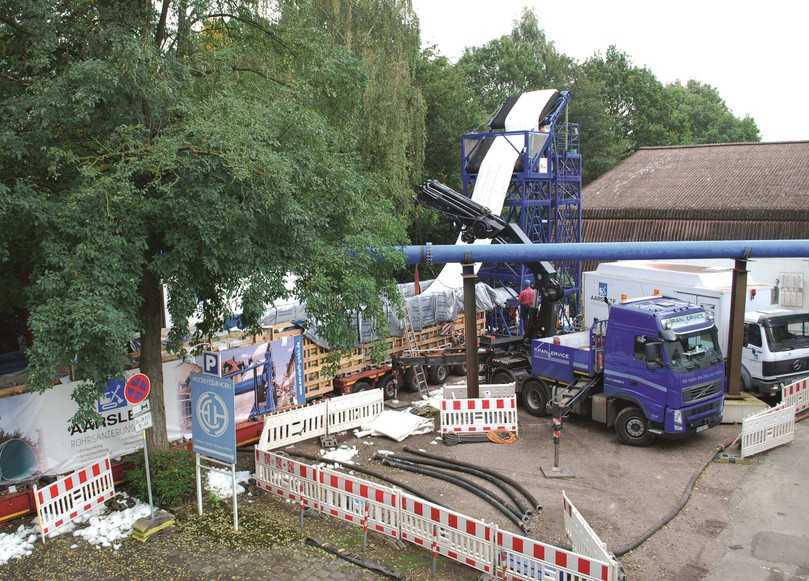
x: 391, y: 512
x: 775, y: 426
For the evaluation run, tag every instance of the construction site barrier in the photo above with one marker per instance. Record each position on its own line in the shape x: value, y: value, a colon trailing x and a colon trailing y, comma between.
x: 444, y: 532
x: 471, y: 542
x: 583, y: 538
x: 69, y: 497
x: 351, y: 411
x: 796, y: 394
x: 479, y: 415
x: 329, y: 416
x: 360, y: 502
x: 295, y: 425
x: 768, y: 429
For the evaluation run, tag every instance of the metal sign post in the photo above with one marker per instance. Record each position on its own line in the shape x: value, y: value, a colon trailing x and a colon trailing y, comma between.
x: 213, y: 428
x: 136, y: 392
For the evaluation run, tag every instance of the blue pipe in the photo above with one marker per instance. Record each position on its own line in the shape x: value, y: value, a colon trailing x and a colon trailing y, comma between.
x: 523, y: 253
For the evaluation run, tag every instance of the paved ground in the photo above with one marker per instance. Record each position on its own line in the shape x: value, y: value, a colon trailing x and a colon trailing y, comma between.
x: 768, y: 535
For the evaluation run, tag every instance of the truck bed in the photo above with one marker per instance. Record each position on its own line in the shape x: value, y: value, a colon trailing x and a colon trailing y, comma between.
x: 563, y: 356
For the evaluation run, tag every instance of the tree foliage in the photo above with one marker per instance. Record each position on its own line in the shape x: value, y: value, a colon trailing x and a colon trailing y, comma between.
x: 215, y: 155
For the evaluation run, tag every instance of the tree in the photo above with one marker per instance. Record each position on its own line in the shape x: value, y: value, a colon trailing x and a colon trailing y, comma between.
x: 197, y: 145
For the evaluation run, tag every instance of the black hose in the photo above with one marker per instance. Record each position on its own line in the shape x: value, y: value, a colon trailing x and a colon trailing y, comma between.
x: 376, y: 475
x: 689, y: 488
x: 501, y: 484
x: 377, y: 568
x: 487, y: 496
x: 517, y: 486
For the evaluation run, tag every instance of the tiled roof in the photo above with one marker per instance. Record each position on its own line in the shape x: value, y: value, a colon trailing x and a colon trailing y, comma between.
x: 738, y: 181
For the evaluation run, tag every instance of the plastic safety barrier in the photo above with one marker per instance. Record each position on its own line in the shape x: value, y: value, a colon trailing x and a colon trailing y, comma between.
x: 63, y: 501
x: 796, y: 394
x: 460, y: 538
x: 768, y: 429
x: 360, y: 502
x: 295, y: 425
x: 288, y: 478
x: 353, y: 410
x: 479, y: 415
x: 524, y: 558
x: 471, y: 542
x: 583, y: 538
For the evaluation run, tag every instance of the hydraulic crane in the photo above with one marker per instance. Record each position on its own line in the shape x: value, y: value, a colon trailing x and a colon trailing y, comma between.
x: 476, y: 221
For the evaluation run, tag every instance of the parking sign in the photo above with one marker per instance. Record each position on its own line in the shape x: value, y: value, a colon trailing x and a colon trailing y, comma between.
x: 211, y: 363
x: 213, y: 418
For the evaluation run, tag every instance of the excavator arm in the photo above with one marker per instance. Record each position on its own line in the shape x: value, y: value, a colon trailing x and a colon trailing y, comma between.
x: 476, y: 221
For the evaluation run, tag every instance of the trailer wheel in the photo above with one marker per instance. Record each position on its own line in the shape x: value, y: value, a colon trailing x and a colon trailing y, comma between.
x: 502, y: 376
x: 409, y: 380
x: 535, y: 397
x: 459, y: 370
x: 632, y: 427
x: 438, y: 374
x: 359, y: 386
x: 388, y: 386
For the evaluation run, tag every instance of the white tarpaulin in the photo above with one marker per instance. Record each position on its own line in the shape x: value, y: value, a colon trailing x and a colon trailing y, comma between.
x: 491, y: 185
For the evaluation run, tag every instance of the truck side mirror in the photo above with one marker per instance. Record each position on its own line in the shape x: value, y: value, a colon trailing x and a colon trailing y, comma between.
x: 651, y: 352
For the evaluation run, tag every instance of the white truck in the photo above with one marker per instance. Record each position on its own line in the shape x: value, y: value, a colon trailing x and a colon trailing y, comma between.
x: 776, y: 338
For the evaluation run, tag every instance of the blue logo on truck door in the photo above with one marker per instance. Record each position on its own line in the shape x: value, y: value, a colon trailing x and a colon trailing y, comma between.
x: 602, y: 290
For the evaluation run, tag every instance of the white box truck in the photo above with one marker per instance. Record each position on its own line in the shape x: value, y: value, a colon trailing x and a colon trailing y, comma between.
x: 776, y: 338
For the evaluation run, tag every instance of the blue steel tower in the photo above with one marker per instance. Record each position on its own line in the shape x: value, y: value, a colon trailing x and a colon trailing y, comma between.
x: 544, y: 196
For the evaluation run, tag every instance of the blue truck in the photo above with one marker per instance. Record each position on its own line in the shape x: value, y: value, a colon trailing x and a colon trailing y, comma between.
x: 654, y: 368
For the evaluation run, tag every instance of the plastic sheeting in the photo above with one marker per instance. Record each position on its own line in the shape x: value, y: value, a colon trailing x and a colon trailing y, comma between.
x: 496, y: 170
x: 424, y: 309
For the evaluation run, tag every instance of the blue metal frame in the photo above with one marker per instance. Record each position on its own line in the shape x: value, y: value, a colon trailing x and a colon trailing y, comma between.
x: 544, y: 196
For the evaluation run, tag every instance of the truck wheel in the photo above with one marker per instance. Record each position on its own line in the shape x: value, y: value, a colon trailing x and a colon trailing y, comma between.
x: 535, y: 397
x: 438, y: 374
x: 747, y: 383
x: 502, y: 376
x: 359, y: 386
x: 409, y: 380
x: 388, y: 386
x: 632, y: 427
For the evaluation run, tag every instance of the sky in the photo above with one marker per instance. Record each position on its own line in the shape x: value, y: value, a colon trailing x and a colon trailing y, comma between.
x: 755, y: 53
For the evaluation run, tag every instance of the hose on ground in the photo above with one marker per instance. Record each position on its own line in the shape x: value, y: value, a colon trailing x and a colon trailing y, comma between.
x: 501, y: 484
x: 516, y: 485
x: 684, y: 498
x: 377, y: 568
x: 468, y: 485
x: 502, y: 437
x: 373, y: 473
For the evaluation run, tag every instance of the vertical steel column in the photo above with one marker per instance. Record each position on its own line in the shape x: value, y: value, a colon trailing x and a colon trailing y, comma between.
x: 736, y: 331
x: 470, y: 329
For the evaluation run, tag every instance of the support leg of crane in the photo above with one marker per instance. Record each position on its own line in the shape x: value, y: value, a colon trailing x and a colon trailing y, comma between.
x: 556, y: 471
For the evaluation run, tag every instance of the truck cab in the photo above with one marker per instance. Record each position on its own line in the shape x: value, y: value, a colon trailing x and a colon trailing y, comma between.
x: 662, y: 357
x: 776, y: 349
x: 654, y: 367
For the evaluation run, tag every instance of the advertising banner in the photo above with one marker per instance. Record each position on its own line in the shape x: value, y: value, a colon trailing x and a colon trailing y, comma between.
x: 213, y: 427
x: 37, y: 435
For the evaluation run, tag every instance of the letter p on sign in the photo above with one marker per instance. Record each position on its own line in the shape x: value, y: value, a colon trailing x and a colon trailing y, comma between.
x: 211, y: 363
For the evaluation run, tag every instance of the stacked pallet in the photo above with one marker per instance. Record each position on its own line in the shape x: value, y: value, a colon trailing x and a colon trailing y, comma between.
x: 318, y: 374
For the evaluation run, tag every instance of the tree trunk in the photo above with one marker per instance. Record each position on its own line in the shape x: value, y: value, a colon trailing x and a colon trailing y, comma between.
x: 151, y: 359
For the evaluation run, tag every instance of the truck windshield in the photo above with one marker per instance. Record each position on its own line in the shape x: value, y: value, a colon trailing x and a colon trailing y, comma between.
x: 787, y: 333
x: 694, y: 350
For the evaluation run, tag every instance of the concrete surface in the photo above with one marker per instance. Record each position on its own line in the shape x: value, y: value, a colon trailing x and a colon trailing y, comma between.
x: 767, y: 538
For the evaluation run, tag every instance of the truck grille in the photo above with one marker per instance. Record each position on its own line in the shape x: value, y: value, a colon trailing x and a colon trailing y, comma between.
x: 699, y: 392
x: 700, y: 409
x: 770, y: 368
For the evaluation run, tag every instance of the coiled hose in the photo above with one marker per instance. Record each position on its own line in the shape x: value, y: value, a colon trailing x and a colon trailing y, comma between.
x: 516, y: 485
x: 501, y: 484
x: 464, y: 483
x: 373, y: 473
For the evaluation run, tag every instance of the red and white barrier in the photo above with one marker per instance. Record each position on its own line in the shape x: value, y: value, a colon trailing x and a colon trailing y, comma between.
x: 471, y: 542
x: 796, y: 394
x: 523, y: 558
x: 351, y: 411
x: 479, y: 415
x: 289, y: 479
x: 295, y: 425
x: 583, y: 538
x: 356, y: 500
x: 75, y: 494
x: 460, y: 538
x: 768, y: 429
